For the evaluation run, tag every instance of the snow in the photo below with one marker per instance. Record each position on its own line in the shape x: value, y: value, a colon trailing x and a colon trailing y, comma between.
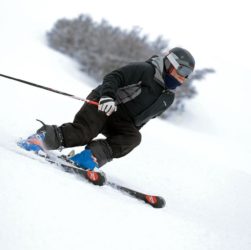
x: 200, y: 162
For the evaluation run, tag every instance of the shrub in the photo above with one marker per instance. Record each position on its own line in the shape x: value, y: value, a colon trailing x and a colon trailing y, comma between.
x: 100, y: 48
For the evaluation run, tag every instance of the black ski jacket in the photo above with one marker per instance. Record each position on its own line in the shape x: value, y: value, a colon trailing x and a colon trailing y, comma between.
x: 139, y: 89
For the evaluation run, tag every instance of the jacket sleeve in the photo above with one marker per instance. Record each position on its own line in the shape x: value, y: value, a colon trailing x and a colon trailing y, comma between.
x: 129, y: 74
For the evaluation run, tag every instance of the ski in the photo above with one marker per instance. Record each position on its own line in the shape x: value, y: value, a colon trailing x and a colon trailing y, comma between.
x: 94, y: 177
x: 153, y: 200
x: 99, y: 178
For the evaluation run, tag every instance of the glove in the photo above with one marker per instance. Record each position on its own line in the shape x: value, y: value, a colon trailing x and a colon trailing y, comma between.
x: 107, y: 105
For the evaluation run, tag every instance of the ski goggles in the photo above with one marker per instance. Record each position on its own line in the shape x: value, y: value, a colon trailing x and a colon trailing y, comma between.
x: 181, y: 66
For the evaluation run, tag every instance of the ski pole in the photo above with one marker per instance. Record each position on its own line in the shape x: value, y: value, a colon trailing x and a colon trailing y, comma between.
x: 50, y: 89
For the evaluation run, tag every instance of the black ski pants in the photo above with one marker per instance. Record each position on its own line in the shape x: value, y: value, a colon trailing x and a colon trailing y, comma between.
x: 121, y: 134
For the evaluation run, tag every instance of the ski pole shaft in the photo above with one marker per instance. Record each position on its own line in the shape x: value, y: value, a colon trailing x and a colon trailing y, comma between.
x: 50, y: 89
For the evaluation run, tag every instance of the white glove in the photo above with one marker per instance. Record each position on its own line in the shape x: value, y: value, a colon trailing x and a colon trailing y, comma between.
x: 107, y: 104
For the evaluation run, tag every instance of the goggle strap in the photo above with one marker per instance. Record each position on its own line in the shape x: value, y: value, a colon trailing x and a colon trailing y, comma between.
x: 173, y: 61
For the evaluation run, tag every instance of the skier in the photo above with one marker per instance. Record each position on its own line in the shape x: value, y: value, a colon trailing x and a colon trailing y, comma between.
x: 127, y: 99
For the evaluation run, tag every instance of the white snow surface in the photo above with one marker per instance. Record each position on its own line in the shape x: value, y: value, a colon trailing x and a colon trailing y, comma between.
x: 200, y: 161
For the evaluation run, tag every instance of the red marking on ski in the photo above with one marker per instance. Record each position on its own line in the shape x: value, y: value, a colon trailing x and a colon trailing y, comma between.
x: 93, y: 176
x: 151, y: 199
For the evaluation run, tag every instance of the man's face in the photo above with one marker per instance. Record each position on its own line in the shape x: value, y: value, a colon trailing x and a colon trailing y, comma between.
x: 175, y: 74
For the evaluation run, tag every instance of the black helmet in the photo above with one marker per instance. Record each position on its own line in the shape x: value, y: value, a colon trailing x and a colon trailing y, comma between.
x: 181, y: 60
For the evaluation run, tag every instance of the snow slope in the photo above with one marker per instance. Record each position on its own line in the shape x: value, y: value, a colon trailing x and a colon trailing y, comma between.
x: 199, y: 162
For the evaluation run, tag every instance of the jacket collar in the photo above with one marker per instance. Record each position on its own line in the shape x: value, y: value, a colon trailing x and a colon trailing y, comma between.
x: 158, y: 63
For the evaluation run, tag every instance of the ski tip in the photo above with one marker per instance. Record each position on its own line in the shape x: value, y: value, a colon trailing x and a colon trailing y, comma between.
x: 155, y: 201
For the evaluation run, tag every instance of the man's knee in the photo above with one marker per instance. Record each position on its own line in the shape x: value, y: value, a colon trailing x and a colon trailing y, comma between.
x: 130, y: 143
x: 137, y: 139
x: 122, y: 145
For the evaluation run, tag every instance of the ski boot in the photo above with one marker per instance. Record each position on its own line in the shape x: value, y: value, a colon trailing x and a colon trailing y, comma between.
x: 48, y: 137
x: 84, y: 160
x: 33, y: 143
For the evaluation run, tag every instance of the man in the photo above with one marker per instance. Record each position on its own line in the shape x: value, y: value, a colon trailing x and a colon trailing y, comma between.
x: 127, y: 99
